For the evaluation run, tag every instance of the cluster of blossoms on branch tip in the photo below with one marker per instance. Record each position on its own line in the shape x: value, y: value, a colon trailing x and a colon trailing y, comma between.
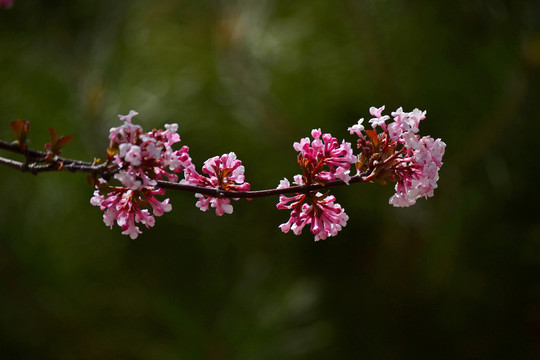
x: 399, y: 154
x: 389, y: 152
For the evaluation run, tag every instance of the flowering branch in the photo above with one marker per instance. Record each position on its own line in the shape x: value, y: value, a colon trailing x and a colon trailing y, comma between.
x: 34, y: 166
x: 145, y: 165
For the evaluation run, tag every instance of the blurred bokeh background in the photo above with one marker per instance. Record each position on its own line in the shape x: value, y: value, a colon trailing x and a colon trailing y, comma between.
x: 453, y: 277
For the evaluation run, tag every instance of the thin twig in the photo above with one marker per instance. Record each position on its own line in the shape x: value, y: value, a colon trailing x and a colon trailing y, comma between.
x: 35, y: 159
x: 258, y: 193
x: 39, y: 156
x: 36, y: 162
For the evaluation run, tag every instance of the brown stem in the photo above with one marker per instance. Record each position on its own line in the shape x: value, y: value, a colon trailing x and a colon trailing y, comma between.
x: 35, y: 164
x: 302, y: 189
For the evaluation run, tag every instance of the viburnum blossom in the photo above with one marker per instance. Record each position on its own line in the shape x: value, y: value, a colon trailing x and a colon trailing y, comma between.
x: 144, y: 158
x: 399, y: 154
x: 126, y: 207
x: 318, y: 210
x: 379, y: 119
x: 224, y: 173
x: 321, y: 160
x: 324, y: 159
x: 141, y: 159
x: 417, y: 174
x: 144, y: 164
x: 391, y: 152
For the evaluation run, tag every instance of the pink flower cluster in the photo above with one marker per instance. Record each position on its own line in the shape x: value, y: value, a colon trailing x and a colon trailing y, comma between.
x: 321, y: 160
x: 141, y: 160
x: 318, y: 210
x: 225, y: 173
x: 324, y: 159
x: 126, y: 207
x: 417, y: 174
x: 144, y: 158
x: 399, y: 154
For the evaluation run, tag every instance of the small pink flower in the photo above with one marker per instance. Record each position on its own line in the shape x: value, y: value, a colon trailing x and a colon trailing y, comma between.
x: 129, y: 180
x: 222, y: 205
x: 357, y: 128
x: 134, y: 155
x: 158, y: 207
x: 377, y: 112
x: 410, y: 140
x: 127, y: 118
x: 398, y: 115
x: 413, y: 119
x: 395, y: 131
x: 379, y: 119
x: 225, y: 173
x: 171, y: 134
x: 408, y: 121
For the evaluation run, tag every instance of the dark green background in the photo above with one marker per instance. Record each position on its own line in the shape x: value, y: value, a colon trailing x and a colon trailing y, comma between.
x: 453, y: 277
